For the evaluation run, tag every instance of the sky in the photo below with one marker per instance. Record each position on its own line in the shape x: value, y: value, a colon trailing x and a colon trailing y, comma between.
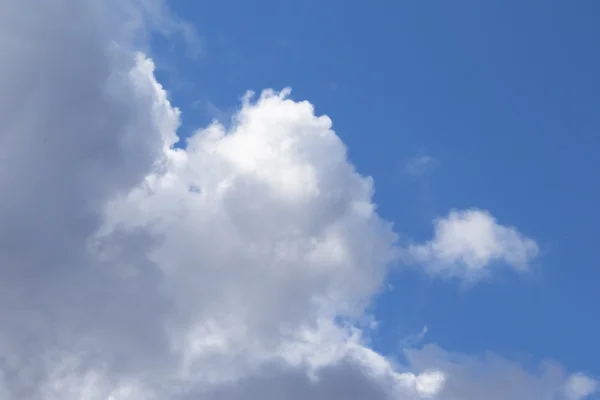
x: 278, y: 200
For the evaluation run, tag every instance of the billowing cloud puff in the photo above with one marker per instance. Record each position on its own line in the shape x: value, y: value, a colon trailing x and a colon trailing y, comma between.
x: 467, y: 243
x: 580, y: 386
x: 236, y: 267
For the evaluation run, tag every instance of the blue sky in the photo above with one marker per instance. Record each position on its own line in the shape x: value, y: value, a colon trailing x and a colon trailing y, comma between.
x: 504, y: 96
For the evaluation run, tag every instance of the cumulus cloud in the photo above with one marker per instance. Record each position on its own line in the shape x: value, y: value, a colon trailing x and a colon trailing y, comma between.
x: 237, y: 267
x: 580, y: 386
x: 468, y: 243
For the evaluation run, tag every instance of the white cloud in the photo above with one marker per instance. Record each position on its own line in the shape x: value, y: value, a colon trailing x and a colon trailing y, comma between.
x: 468, y: 243
x: 133, y: 271
x: 580, y: 386
x: 430, y: 383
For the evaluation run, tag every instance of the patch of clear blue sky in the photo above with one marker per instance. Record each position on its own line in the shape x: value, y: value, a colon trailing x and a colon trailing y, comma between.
x: 504, y: 94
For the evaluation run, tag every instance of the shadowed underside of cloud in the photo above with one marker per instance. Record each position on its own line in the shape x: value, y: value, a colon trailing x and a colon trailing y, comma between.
x: 133, y: 270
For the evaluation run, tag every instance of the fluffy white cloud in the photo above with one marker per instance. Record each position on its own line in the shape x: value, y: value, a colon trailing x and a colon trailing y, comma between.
x: 580, y: 386
x: 237, y: 268
x: 468, y: 243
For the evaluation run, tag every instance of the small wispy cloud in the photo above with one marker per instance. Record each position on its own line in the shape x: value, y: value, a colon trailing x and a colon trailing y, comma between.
x: 414, y: 339
x: 420, y: 165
